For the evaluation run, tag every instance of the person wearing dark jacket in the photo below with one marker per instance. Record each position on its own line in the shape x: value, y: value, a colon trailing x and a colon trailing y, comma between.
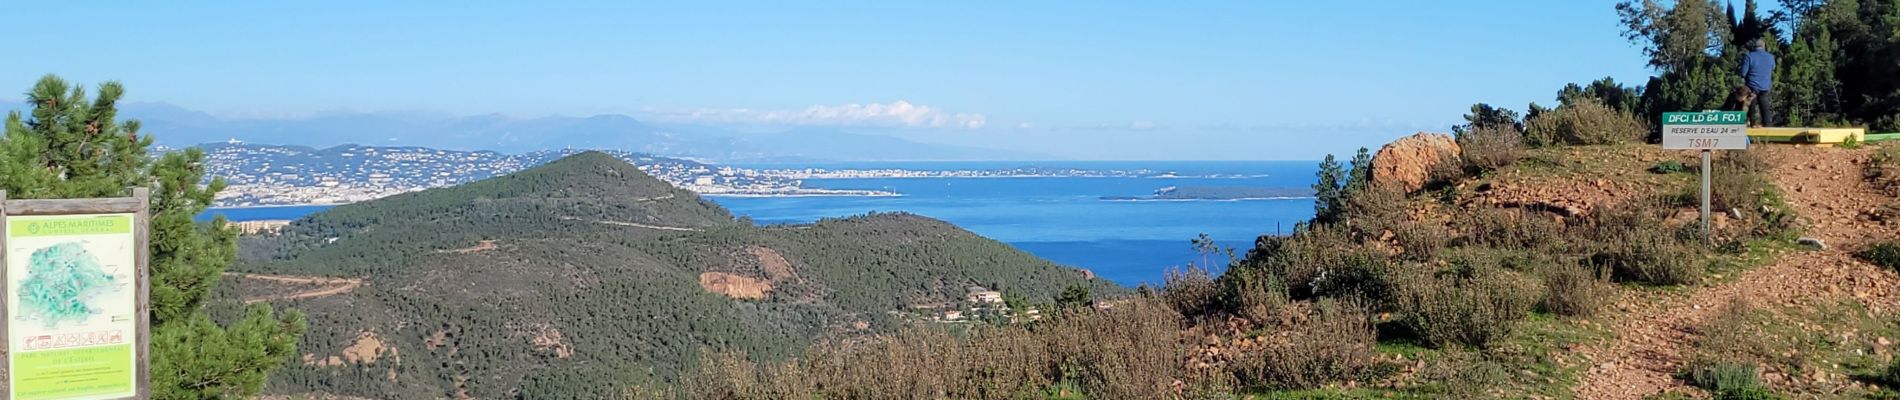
x: 1758, y: 73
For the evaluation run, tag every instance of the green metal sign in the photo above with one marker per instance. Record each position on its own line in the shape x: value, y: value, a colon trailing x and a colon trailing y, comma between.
x: 1708, y: 130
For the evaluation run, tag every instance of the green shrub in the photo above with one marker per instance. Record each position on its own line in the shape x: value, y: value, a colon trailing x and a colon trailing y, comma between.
x: 1728, y: 380
x: 1465, y: 375
x: 1891, y: 376
x: 1669, y: 167
x: 1717, y: 376
x: 1297, y: 260
x: 1359, y: 276
x: 1490, y: 148
x: 1472, y: 307
x: 1576, y: 290
x: 1584, y: 123
x: 1508, y: 228
x: 1254, y: 294
x: 1651, y: 258
x: 1885, y: 254
x: 1335, y: 344
x: 1636, y: 245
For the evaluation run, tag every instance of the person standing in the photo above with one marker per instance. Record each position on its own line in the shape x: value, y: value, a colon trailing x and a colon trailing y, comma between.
x: 1758, y: 73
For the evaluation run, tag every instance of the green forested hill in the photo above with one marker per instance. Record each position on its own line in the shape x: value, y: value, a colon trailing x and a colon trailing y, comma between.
x: 578, y: 278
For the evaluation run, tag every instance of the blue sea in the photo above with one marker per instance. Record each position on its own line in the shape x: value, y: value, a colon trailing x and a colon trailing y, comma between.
x: 1061, y: 219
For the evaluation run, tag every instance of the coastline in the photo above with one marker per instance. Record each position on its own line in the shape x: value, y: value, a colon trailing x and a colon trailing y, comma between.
x: 817, y: 193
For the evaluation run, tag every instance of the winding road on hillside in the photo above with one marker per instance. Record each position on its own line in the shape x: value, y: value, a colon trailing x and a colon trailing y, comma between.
x: 326, y: 286
x: 1824, y: 185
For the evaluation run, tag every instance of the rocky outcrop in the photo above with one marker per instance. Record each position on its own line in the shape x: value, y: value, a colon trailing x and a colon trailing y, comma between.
x: 1406, y: 164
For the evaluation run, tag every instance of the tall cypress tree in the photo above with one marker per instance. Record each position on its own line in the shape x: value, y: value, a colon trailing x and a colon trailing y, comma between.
x: 69, y: 146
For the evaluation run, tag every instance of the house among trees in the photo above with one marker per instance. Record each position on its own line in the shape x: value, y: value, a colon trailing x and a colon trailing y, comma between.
x: 982, y: 295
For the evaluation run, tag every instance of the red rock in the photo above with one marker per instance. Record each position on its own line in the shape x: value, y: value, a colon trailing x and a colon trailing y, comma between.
x: 1406, y: 164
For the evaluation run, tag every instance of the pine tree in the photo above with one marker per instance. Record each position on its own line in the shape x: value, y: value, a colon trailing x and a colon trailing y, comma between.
x: 69, y: 147
x: 1810, y: 93
x: 1326, y: 189
x: 1485, y: 116
x: 1361, y: 175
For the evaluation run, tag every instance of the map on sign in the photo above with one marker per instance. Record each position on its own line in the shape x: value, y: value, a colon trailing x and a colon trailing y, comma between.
x: 72, y: 306
x: 1708, y: 130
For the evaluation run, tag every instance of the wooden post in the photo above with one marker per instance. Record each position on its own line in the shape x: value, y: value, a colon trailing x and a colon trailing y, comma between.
x: 142, y: 238
x: 6, y: 349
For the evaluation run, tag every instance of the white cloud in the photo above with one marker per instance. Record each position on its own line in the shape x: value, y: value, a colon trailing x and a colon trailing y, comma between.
x: 895, y: 114
x: 1025, y: 125
x: 1138, y: 125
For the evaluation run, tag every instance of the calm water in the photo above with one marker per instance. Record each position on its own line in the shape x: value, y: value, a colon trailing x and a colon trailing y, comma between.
x: 1061, y: 219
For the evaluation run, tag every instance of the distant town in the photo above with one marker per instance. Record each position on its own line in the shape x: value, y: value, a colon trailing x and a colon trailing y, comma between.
x: 273, y: 175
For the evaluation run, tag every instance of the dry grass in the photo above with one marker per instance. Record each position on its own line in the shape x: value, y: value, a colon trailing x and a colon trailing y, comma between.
x: 1333, y: 345
x: 1133, y: 350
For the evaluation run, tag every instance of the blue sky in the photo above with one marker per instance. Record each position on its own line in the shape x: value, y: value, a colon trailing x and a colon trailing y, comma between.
x: 1100, y: 80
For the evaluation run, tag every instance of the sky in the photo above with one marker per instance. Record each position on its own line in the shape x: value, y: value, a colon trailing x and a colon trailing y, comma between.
x: 1086, y: 80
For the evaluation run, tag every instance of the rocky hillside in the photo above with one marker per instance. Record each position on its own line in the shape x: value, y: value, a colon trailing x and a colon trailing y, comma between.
x: 585, y: 276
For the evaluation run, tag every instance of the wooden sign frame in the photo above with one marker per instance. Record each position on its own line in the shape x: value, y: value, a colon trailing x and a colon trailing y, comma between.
x: 139, y: 205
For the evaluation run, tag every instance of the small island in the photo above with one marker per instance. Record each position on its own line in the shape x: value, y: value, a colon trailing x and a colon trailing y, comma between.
x: 1220, y: 193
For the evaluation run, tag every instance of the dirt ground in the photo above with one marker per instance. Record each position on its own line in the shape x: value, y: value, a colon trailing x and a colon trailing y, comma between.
x: 1824, y: 186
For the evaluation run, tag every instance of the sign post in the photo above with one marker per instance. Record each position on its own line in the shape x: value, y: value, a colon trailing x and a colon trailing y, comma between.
x: 1706, y: 131
x: 76, y: 314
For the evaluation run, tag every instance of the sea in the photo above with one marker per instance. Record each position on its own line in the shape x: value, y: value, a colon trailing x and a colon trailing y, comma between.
x: 1063, y: 219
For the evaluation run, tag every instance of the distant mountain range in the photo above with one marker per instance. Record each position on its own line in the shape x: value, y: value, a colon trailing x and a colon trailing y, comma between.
x: 179, y: 127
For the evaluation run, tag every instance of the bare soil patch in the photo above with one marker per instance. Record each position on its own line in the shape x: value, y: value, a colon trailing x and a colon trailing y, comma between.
x: 1824, y: 186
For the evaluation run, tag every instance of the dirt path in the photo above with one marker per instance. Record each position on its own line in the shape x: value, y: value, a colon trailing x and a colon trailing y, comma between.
x: 1824, y: 186
x: 639, y: 225
x: 329, y: 286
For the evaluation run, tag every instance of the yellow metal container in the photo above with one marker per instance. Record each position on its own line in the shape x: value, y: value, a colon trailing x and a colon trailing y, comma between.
x: 1808, y: 135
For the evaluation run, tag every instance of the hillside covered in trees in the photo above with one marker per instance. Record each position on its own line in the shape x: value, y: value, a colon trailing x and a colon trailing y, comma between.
x: 584, y: 277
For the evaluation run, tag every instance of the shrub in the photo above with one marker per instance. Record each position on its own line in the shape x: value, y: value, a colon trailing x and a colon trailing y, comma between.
x: 1420, y: 241
x: 1668, y: 167
x: 1130, y: 351
x: 1883, y: 169
x: 1728, y: 380
x: 1359, y: 276
x: 1334, y: 344
x: 1254, y: 294
x: 1635, y: 245
x: 1738, y: 182
x: 1721, y: 375
x: 1463, y: 308
x: 1191, y: 291
x: 1885, y: 254
x: 1490, y: 148
x: 1584, y: 123
x: 1375, y: 209
x: 1466, y: 375
x: 1891, y: 376
x: 1297, y: 260
x: 1508, y: 228
x: 1650, y: 258
x: 1576, y: 290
